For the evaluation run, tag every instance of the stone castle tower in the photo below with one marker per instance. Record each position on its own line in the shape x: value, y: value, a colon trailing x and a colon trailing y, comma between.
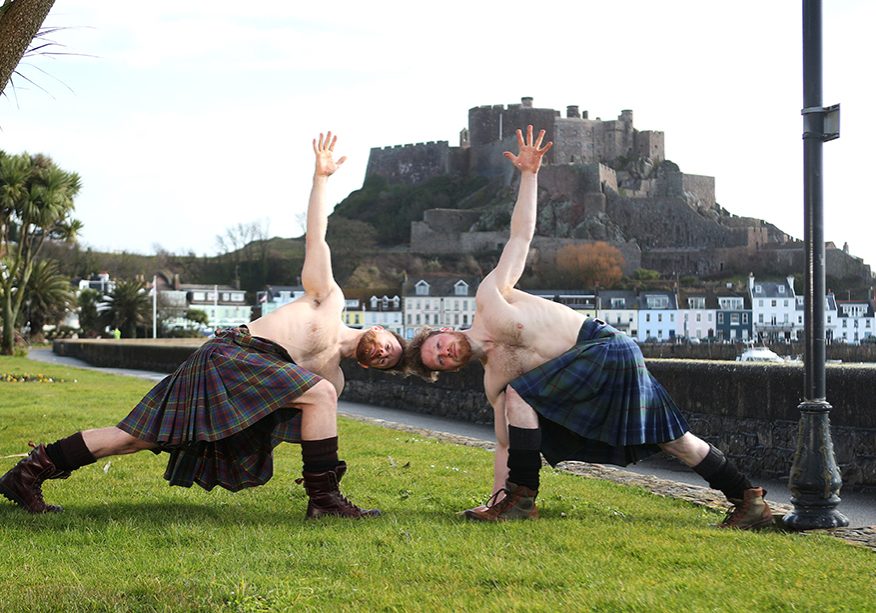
x: 602, y: 180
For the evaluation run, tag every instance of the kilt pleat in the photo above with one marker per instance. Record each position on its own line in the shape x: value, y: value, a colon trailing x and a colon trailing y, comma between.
x: 224, y: 409
x: 597, y: 402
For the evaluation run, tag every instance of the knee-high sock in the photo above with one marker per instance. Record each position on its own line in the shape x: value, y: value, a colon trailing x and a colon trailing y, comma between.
x: 524, y: 459
x: 70, y: 453
x: 722, y: 474
x: 319, y: 456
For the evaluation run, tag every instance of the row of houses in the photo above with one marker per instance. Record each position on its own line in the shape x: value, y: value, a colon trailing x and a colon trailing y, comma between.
x: 768, y: 311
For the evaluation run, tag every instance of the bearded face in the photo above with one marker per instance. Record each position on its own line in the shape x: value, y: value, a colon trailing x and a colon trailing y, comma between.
x: 448, y: 350
x: 378, y: 348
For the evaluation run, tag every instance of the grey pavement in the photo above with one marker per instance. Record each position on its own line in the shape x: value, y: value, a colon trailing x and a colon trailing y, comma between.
x: 859, y: 507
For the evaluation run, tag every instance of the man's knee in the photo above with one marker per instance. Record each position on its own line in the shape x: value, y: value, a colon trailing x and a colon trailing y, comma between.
x: 518, y: 412
x: 321, y: 395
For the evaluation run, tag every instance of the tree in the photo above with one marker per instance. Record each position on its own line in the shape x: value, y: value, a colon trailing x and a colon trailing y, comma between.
x: 36, y: 206
x: 89, y: 317
x: 198, y: 316
x: 47, y: 297
x: 20, y: 22
x: 591, y: 264
x: 127, y: 307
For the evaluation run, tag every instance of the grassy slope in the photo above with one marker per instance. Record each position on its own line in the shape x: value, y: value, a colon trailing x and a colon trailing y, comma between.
x: 128, y: 542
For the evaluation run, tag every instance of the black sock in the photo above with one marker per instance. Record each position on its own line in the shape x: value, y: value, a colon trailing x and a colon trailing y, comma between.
x: 70, y: 453
x: 320, y: 456
x: 524, y: 459
x: 722, y: 474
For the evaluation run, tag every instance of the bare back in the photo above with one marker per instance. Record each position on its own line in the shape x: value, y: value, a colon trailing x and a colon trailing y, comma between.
x: 310, y: 330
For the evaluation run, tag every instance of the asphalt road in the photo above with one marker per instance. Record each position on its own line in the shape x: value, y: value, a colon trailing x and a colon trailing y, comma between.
x: 860, y: 508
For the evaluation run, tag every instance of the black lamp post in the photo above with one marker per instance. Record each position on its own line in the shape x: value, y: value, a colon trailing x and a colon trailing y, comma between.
x: 815, y: 478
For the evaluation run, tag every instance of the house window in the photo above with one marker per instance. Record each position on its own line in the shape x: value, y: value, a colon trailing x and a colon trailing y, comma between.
x: 781, y: 289
x: 758, y: 289
x: 422, y: 288
x: 773, y: 303
x: 720, y: 319
x: 699, y: 316
x: 647, y: 316
x: 461, y: 288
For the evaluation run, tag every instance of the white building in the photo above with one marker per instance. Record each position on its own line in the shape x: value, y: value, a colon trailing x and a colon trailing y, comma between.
x: 225, y: 306
x: 774, y: 309
x: 658, y: 316
x: 438, y: 300
x: 855, y: 321
x: 697, y: 316
x: 385, y: 312
x: 274, y: 296
x: 619, y: 308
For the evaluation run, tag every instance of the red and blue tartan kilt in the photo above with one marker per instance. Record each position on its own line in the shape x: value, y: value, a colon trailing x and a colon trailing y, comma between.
x: 597, y: 402
x: 223, y: 411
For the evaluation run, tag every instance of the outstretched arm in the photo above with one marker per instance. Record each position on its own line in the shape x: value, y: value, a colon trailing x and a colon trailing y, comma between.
x: 316, y: 274
x: 513, y: 259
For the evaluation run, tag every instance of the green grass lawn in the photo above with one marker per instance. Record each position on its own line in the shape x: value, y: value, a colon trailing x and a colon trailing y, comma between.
x: 127, y: 541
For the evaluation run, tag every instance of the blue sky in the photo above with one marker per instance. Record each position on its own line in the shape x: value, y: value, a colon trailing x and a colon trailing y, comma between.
x: 186, y: 118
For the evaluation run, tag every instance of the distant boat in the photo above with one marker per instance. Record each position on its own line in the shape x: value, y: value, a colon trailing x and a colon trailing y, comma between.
x: 759, y: 354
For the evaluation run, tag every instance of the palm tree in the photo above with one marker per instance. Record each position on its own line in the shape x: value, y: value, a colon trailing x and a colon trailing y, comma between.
x: 89, y: 318
x: 36, y: 205
x: 127, y: 307
x: 47, y: 297
x: 20, y: 22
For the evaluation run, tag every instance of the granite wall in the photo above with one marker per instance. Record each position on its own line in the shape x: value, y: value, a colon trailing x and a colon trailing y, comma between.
x: 750, y: 410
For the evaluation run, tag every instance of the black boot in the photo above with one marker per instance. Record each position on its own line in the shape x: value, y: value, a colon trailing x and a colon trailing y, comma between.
x: 23, y: 484
x: 326, y: 498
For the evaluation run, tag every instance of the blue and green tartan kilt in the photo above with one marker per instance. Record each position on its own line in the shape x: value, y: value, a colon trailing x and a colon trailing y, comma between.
x: 598, y: 403
x: 223, y: 411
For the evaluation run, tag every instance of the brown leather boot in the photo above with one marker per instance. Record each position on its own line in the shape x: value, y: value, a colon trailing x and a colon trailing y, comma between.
x: 23, y: 484
x: 326, y: 498
x: 518, y: 503
x: 750, y: 513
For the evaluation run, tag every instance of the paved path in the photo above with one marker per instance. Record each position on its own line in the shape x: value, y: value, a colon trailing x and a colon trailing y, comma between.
x: 860, y: 508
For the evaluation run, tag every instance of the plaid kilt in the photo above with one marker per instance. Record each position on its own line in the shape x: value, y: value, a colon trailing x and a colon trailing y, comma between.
x: 598, y: 403
x: 223, y: 411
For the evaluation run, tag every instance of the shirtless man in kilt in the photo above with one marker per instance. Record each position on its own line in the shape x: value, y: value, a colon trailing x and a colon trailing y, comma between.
x: 222, y: 412
x: 563, y: 385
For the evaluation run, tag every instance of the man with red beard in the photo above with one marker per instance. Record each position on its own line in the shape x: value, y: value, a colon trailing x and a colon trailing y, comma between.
x: 222, y: 412
x: 563, y: 385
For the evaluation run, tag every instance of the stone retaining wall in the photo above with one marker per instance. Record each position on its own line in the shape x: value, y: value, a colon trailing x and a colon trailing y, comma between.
x: 749, y: 410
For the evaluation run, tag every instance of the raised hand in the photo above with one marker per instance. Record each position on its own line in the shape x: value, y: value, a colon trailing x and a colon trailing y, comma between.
x: 528, y: 159
x: 324, y: 151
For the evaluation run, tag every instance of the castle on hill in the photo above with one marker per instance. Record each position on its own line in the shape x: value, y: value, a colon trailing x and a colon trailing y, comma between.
x: 603, y: 180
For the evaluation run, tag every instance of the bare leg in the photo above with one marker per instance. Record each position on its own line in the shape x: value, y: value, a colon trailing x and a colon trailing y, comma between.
x: 319, y: 412
x: 518, y: 413
x: 689, y: 449
x: 105, y: 442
